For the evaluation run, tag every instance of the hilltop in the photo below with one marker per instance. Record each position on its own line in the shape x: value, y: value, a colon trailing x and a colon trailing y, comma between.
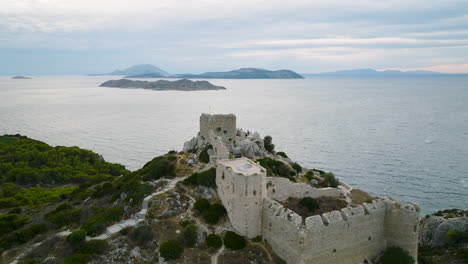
x: 163, y: 85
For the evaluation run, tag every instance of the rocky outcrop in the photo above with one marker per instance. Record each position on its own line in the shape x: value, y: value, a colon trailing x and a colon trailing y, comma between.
x: 163, y: 85
x: 434, y: 228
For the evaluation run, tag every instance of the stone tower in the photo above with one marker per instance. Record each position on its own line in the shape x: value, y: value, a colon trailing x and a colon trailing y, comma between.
x: 242, y: 188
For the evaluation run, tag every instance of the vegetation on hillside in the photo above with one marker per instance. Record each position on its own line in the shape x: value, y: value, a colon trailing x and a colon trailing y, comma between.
x: 277, y: 168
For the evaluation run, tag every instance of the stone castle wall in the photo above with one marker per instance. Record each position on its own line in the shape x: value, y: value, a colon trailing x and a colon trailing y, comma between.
x: 219, y: 148
x: 222, y: 125
x: 350, y: 235
x: 282, y: 188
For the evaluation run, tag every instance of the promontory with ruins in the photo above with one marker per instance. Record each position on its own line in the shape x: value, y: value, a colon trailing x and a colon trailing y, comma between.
x: 228, y: 197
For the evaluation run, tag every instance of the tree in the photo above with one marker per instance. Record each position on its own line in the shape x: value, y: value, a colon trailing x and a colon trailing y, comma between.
x: 190, y: 235
x: 234, y: 241
x: 171, y: 249
x: 268, y: 145
x: 214, y: 241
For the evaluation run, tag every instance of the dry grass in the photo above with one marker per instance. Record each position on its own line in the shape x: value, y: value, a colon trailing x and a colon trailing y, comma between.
x: 359, y: 197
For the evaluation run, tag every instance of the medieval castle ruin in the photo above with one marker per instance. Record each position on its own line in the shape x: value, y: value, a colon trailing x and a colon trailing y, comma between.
x: 253, y: 202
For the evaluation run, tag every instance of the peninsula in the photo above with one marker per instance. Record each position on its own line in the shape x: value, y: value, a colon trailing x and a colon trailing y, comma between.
x: 163, y: 85
x: 228, y: 197
x: 19, y: 77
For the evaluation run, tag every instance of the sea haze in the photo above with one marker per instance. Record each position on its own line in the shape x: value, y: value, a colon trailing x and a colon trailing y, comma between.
x: 403, y: 137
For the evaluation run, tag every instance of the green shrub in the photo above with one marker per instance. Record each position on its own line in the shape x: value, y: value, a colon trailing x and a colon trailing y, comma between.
x: 98, y: 223
x: 268, y: 145
x: 206, y: 178
x: 171, y: 249
x: 11, y: 222
x: 277, y: 167
x: 456, y: 237
x: 329, y: 180
x: 214, y: 213
x: 92, y: 247
x: 204, y: 156
x: 22, y: 236
x: 296, y: 167
x: 157, y: 168
x: 282, y: 154
x: 126, y: 231
x: 142, y: 234
x: 16, y: 210
x: 77, y: 258
x: 393, y: 255
x: 310, y: 203
x: 213, y: 241
x: 76, y: 237
x: 201, y: 205
x: 190, y: 235
x: 234, y: 241
x: 64, y: 217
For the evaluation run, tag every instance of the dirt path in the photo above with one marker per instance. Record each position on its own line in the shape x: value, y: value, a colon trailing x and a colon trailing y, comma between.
x: 264, y: 249
x: 214, y: 258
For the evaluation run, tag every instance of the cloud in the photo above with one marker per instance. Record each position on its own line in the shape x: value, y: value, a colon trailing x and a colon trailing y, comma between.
x: 203, y: 35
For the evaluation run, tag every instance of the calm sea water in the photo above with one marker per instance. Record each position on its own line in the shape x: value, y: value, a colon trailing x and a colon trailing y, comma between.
x: 400, y: 137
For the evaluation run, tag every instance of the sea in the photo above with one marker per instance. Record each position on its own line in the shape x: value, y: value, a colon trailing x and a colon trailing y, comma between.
x: 402, y: 137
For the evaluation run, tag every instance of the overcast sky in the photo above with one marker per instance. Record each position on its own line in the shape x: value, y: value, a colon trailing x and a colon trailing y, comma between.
x: 95, y: 36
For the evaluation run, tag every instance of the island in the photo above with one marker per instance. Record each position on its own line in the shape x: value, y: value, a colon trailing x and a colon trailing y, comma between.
x: 245, y: 73
x: 19, y: 77
x: 147, y: 75
x: 164, y: 85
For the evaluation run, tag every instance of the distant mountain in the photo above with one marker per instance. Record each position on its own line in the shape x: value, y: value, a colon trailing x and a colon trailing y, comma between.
x: 163, y: 85
x: 372, y: 73
x: 147, y: 75
x: 137, y: 70
x: 244, y: 73
x: 19, y: 77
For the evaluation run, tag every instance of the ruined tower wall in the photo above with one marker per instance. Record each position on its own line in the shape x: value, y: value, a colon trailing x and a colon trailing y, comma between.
x: 222, y: 125
x: 282, y: 188
x: 242, y: 195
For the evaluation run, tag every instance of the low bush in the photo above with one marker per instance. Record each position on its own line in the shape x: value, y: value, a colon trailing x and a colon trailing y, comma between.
x: 98, y: 223
x: 393, y: 255
x: 11, y: 222
x: 277, y: 167
x: 329, y: 180
x: 64, y: 217
x: 190, y: 235
x: 142, y: 234
x: 171, y: 249
x: 282, y: 154
x: 206, y: 178
x: 77, y: 258
x: 234, y: 241
x: 22, y: 236
x: 310, y: 203
x: 213, y: 241
x: 270, y: 147
x: 296, y: 167
x: 201, y: 205
x: 204, y: 156
x: 92, y: 247
x: 157, y: 168
x: 214, y: 213
x: 456, y: 237
x: 76, y: 237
